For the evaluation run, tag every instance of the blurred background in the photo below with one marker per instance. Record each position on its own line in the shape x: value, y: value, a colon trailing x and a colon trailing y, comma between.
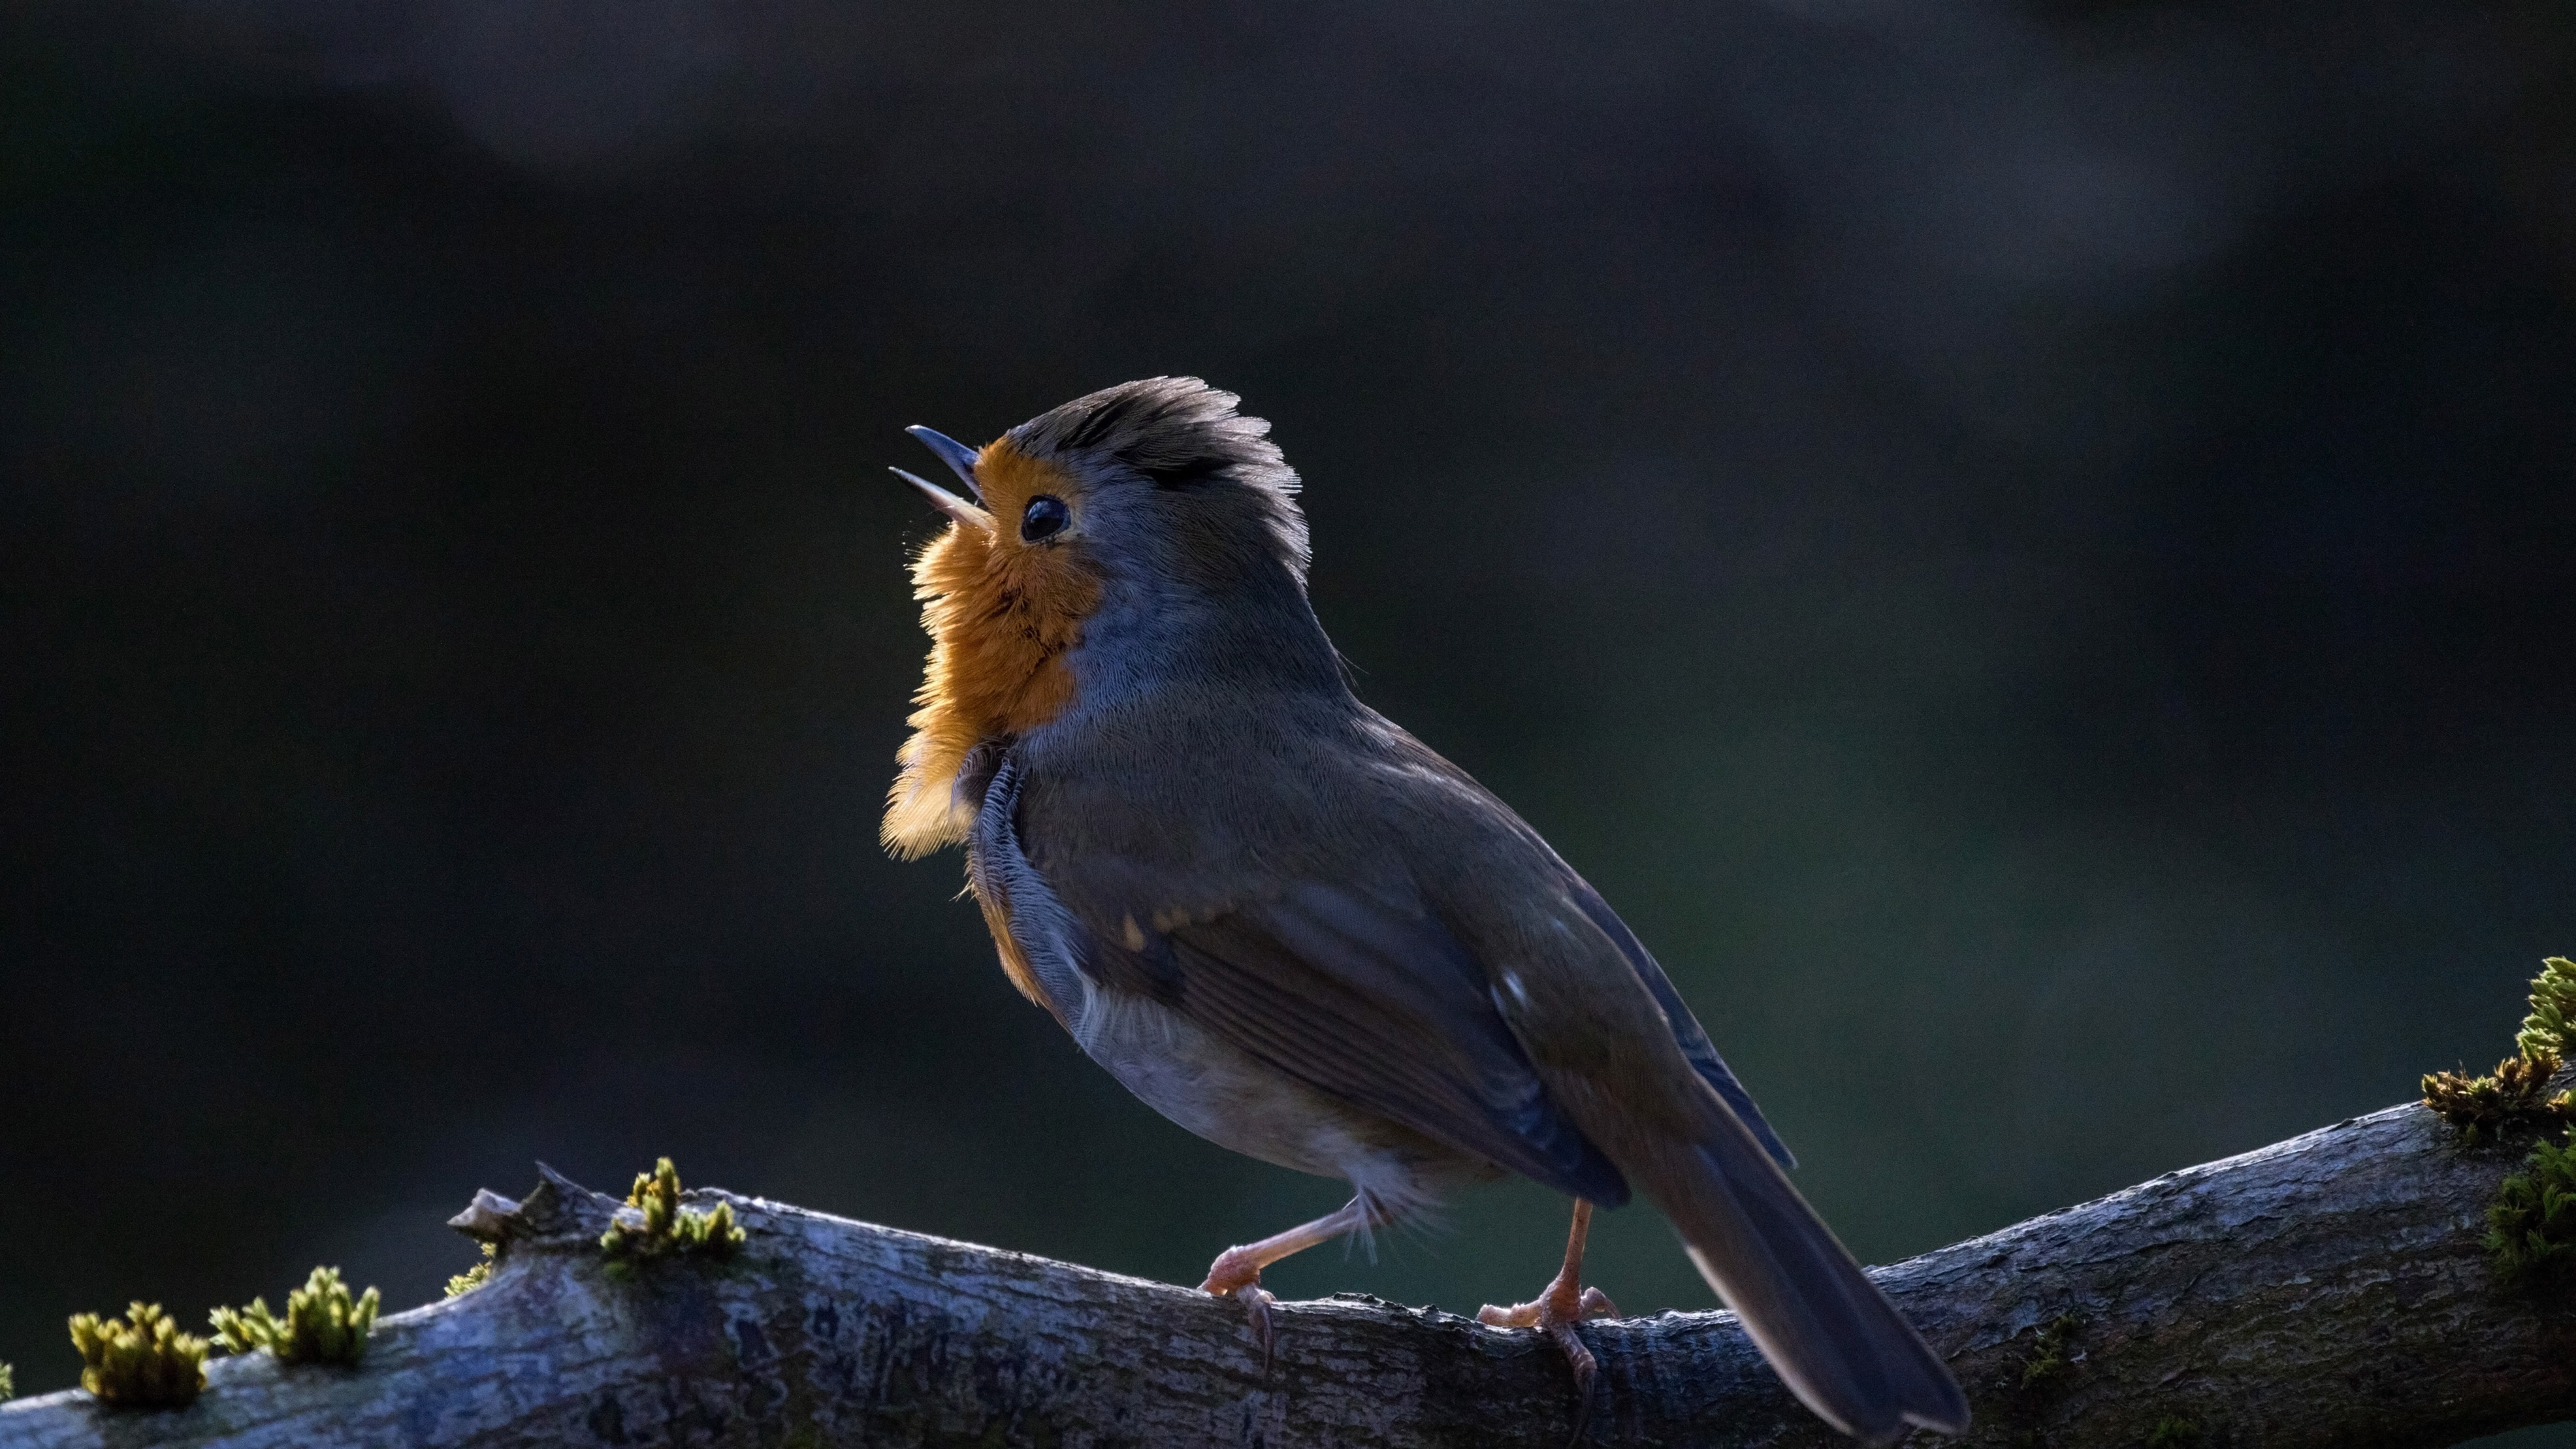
x: 2024, y: 548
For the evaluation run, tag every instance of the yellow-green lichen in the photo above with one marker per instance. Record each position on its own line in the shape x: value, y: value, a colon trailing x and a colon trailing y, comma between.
x: 2048, y: 1352
x: 144, y: 1362
x: 323, y: 1324
x: 476, y: 1276
x: 668, y: 1229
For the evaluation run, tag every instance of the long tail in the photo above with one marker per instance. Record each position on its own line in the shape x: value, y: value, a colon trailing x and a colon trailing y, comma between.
x: 1834, y: 1338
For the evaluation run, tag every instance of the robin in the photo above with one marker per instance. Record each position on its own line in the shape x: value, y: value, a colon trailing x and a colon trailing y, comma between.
x: 1291, y: 927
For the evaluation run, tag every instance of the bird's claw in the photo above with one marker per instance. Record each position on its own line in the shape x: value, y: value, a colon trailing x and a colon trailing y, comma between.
x: 1585, y: 1367
x: 1240, y: 1280
x: 1591, y: 1305
x: 1256, y: 1302
x: 1555, y: 1312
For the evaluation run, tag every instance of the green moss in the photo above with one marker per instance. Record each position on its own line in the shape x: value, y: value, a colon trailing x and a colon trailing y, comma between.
x: 2482, y: 1107
x: 2173, y: 1433
x: 669, y: 1230
x: 2531, y: 1225
x: 2047, y: 1358
x: 476, y: 1276
x: 323, y: 1324
x: 144, y: 1362
x: 2553, y: 1010
x: 2517, y: 1092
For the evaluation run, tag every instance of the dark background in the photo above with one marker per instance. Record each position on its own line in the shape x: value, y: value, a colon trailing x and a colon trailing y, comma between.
x: 2024, y: 548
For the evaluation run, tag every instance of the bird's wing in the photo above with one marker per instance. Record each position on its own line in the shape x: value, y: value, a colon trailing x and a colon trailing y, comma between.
x: 1701, y: 1052
x: 1431, y: 786
x: 1369, y: 1001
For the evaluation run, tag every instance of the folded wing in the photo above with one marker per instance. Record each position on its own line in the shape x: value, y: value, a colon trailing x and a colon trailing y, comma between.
x: 1367, y: 1001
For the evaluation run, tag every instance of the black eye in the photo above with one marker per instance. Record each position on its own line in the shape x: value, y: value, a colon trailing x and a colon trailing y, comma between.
x: 1045, y: 517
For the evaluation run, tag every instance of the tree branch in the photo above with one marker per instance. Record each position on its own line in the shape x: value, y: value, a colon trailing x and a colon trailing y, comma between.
x: 2328, y: 1290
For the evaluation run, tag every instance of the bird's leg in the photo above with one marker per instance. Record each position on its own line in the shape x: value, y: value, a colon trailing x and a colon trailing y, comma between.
x: 1558, y: 1307
x: 1236, y: 1273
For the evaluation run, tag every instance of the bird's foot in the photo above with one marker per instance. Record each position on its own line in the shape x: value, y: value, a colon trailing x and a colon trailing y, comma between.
x: 1555, y: 1311
x: 1236, y: 1274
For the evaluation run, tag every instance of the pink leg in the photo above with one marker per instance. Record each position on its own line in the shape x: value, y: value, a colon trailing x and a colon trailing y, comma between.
x: 1558, y: 1307
x: 1236, y: 1273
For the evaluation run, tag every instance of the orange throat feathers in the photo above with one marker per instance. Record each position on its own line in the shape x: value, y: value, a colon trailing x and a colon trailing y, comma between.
x: 1001, y: 614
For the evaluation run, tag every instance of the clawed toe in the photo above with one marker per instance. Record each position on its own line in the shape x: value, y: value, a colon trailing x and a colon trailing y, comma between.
x: 1519, y: 1315
x: 1549, y: 1315
x: 1256, y: 1303
x: 1236, y: 1274
x: 1586, y: 1368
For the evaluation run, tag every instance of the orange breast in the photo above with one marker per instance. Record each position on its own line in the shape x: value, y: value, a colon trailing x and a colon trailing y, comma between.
x: 1001, y: 615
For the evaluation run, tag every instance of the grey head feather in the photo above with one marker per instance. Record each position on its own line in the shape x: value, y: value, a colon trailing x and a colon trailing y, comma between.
x: 1178, y: 433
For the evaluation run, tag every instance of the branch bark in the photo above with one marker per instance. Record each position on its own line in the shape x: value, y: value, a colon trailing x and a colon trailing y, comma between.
x: 2328, y: 1290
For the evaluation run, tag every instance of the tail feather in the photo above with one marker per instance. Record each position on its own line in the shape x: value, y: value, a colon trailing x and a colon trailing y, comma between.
x: 1842, y: 1348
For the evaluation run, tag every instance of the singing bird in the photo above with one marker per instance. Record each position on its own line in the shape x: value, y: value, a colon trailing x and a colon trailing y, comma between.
x: 1292, y: 928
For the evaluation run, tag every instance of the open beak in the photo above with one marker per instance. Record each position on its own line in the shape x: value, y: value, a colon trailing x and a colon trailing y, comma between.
x: 947, y: 502
x: 959, y: 458
x: 961, y: 461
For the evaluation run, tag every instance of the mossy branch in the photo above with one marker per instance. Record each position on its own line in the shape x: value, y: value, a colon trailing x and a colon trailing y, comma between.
x: 2330, y: 1290
x: 476, y: 1276
x: 658, y: 1227
x: 323, y: 1324
x: 2531, y: 1222
x: 2515, y: 1094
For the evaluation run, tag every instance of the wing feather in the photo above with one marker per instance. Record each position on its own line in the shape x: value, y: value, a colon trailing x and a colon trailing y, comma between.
x: 1686, y: 1028
x: 1369, y: 1002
